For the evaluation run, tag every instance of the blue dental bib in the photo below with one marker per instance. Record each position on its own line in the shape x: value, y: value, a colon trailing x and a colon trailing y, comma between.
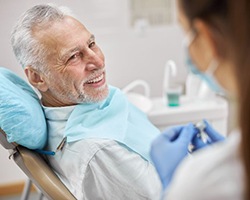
x: 115, y: 119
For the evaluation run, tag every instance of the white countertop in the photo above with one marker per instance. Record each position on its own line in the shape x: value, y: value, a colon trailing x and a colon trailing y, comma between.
x: 190, y: 109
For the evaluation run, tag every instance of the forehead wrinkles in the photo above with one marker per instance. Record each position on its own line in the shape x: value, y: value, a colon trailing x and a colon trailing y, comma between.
x: 62, y: 37
x: 49, y: 45
x: 49, y: 38
x: 46, y: 33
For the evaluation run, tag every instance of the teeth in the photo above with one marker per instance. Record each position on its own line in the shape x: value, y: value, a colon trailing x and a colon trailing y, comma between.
x: 95, y: 80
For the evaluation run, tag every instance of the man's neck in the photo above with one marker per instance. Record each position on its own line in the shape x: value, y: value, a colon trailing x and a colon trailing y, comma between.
x: 50, y: 101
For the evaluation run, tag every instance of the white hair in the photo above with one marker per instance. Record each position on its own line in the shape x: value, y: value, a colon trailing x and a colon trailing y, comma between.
x: 28, y: 50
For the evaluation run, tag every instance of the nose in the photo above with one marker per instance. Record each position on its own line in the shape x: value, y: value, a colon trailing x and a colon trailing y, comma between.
x: 95, y: 60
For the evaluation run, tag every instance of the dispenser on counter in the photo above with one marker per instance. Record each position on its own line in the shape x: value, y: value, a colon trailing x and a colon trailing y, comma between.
x: 171, y: 90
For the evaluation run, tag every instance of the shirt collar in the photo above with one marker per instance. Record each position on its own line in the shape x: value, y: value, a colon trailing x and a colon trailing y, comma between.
x: 58, y: 113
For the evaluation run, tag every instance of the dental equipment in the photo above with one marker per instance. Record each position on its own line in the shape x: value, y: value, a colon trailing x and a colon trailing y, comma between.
x: 202, y: 134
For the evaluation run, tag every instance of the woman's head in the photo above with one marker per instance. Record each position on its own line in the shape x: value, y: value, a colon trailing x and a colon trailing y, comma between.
x: 211, y: 25
x: 220, y: 31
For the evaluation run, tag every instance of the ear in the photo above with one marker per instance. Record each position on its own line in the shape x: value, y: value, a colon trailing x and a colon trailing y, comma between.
x: 207, y: 40
x: 36, y: 79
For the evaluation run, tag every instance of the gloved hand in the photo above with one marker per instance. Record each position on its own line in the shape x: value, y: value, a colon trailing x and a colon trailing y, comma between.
x: 169, y: 149
x: 213, y: 137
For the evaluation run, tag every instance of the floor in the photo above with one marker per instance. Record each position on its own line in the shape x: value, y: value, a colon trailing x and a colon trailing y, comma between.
x: 32, y: 196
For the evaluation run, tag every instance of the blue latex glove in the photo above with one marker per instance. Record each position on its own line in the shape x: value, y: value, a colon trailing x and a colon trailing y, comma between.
x: 213, y: 135
x: 169, y: 149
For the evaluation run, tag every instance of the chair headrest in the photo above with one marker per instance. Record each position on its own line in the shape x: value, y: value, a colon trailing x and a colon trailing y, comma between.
x: 21, y: 114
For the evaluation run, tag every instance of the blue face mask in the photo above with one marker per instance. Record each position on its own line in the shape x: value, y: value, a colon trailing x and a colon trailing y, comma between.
x: 208, y: 75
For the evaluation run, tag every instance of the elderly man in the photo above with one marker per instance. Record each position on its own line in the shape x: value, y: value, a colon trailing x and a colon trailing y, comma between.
x: 101, y: 141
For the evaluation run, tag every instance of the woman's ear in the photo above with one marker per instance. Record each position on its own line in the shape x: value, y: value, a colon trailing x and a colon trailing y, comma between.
x: 36, y: 79
x: 207, y: 42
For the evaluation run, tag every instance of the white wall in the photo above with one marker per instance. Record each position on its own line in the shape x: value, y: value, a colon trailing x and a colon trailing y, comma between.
x: 129, y: 56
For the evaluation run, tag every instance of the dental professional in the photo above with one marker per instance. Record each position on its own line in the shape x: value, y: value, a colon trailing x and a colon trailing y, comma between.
x: 217, y: 41
x: 101, y: 142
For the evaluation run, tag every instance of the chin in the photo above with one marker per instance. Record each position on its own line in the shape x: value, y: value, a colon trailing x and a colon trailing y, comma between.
x: 95, y: 96
x: 102, y: 93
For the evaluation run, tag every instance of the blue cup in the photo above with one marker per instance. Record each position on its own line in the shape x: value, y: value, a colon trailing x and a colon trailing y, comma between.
x: 173, y: 94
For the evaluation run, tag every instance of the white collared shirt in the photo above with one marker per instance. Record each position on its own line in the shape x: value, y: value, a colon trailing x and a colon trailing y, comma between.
x: 99, y: 168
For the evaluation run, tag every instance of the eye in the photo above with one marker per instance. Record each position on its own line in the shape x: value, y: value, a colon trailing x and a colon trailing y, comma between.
x: 76, y: 55
x: 75, y: 58
x: 91, y: 44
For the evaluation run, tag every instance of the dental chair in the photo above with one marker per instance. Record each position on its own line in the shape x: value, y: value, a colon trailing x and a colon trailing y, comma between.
x: 38, y: 172
x: 23, y: 128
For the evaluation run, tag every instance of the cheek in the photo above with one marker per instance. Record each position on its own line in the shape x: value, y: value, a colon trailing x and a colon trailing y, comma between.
x: 61, y: 81
x: 76, y: 77
x: 199, y: 58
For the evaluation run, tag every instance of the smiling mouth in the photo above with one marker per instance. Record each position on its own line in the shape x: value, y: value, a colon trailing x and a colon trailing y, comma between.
x: 96, y: 79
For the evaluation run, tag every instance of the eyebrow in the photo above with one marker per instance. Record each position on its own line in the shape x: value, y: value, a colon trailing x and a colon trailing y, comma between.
x: 66, y: 54
x: 92, y: 37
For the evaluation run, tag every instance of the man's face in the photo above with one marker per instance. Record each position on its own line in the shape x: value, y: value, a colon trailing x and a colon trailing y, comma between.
x: 76, y: 64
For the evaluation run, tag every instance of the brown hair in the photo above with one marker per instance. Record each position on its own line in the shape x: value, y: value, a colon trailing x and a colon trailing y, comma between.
x: 229, y: 21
